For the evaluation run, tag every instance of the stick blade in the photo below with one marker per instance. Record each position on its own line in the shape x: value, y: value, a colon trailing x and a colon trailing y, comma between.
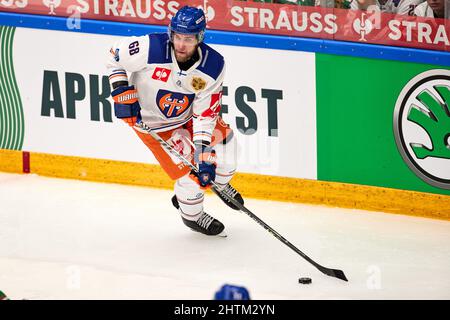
x: 334, y: 273
x: 340, y: 275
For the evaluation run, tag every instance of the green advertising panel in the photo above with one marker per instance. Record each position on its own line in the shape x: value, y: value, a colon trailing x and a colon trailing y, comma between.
x: 383, y: 123
x: 11, y: 111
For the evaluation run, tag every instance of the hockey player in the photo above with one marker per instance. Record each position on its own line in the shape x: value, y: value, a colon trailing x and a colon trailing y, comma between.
x: 175, y: 88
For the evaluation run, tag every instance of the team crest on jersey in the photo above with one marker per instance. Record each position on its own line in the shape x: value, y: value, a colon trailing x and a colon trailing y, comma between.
x: 198, y: 83
x: 161, y: 74
x: 173, y: 104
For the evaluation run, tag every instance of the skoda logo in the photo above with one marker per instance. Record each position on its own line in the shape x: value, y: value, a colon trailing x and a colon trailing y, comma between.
x: 422, y: 126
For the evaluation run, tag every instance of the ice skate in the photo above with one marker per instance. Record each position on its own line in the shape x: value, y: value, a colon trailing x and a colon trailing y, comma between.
x: 233, y: 193
x: 205, y: 224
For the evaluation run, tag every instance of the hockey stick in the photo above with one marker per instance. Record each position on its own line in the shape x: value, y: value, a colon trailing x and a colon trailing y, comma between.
x: 329, y: 272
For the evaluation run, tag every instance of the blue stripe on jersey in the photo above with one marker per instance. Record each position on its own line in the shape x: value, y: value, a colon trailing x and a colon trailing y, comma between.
x: 212, y: 62
x: 170, y: 125
x: 203, y: 132
x: 115, y: 73
x: 159, y: 51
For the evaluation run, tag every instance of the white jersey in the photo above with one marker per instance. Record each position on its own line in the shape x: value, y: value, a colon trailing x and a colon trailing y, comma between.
x: 170, y: 97
x: 401, y: 7
x: 424, y: 10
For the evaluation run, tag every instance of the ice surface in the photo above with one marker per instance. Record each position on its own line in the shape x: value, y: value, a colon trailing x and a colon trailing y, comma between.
x: 68, y: 239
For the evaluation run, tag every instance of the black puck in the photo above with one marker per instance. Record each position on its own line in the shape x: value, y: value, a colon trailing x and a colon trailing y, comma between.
x: 304, y: 280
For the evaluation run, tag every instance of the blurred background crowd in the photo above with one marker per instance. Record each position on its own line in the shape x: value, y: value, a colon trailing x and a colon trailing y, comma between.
x: 419, y: 8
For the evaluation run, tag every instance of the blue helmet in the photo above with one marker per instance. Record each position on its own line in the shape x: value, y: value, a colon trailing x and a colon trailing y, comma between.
x: 189, y: 20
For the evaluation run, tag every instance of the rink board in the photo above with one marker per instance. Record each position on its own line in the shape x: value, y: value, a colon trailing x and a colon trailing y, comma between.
x: 67, y: 109
x: 356, y: 112
x: 296, y: 120
x: 251, y: 185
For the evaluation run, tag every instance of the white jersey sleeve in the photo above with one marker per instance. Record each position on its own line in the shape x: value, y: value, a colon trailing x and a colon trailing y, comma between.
x: 407, y: 7
x: 369, y: 5
x: 127, y: 55
x: 423, y: 10
x: 206, y: 109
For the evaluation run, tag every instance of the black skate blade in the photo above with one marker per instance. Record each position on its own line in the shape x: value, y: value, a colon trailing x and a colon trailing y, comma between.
x: 223, y: 234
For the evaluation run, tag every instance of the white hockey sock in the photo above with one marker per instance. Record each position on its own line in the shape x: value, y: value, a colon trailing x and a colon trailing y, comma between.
x: 226, y: 162
x: 190, y: 198
x: 223, y: 178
